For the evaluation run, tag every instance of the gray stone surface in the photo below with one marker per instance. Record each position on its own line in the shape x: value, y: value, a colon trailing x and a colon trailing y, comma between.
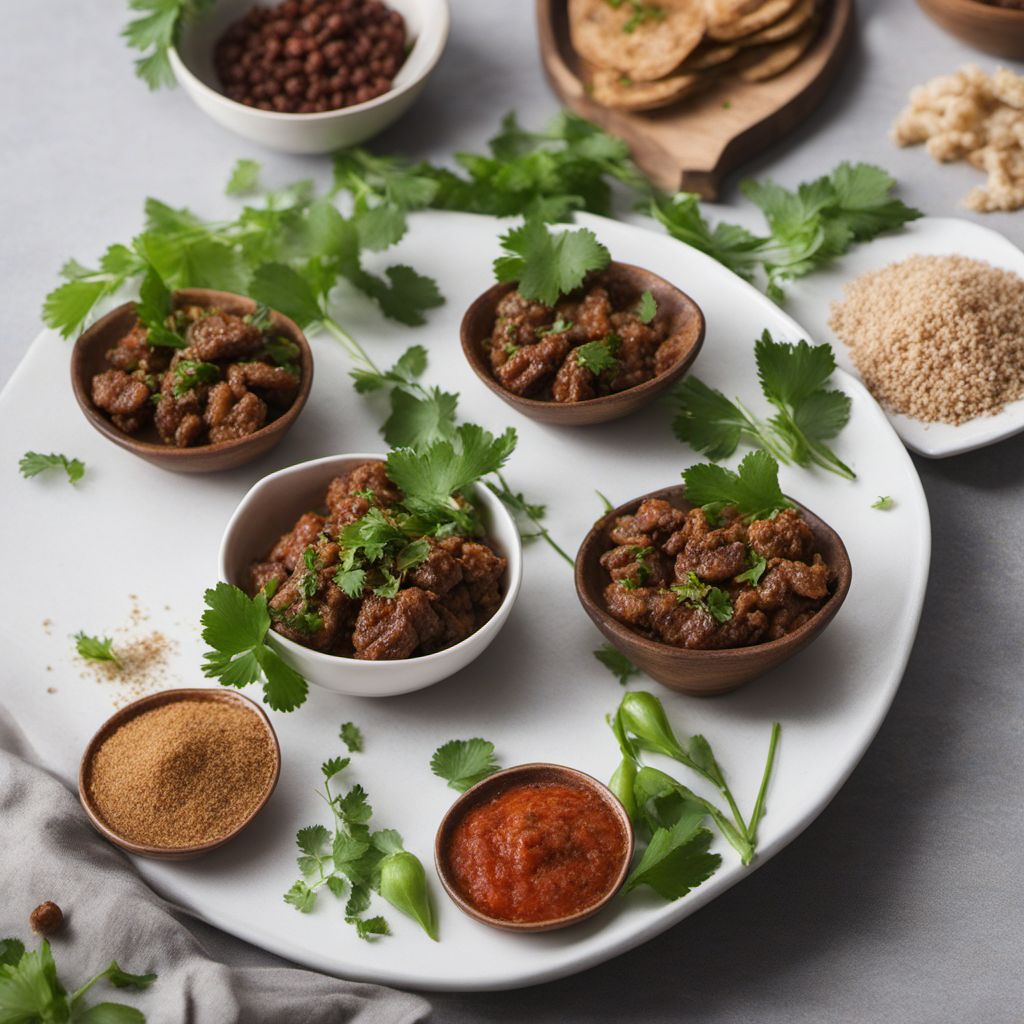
x: 903, y: 901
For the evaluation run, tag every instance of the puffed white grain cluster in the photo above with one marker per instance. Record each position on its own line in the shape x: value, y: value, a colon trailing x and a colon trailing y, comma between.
x: 976, y: 117
x: 940, y: 338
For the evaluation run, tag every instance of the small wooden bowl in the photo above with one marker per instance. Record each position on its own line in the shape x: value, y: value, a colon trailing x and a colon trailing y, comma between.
x: 492, y: 786
x: 129, y: 712
x: 88, y: 358
x: 702, y: 673
x: 996, y: 30
x: 686, y: 318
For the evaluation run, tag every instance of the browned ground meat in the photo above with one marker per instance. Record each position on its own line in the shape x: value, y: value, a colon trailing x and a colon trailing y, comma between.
x: 440, y: 601
x: 531, y: 359
x: 660, y: 546
x: 221, y: 401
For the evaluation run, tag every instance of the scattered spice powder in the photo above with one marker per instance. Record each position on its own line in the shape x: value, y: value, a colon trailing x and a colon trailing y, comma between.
x: 939, y: 338
x: 182, y: 773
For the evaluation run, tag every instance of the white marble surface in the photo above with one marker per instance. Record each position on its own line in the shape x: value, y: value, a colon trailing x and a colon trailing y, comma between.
x: 902, y: 902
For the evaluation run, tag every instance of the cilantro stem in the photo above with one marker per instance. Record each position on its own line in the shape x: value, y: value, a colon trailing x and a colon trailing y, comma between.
x: 506, y: 496
x: 758, y: 812
x: 354, y: 349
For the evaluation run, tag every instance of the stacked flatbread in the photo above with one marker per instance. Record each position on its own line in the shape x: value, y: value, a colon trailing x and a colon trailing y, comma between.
x: 645, y: 54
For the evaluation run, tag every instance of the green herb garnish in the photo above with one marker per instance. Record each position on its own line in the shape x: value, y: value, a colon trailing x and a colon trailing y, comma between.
x: 190, y: 372
x: 753, y: 490
x: 757, y: 566
x: 33, y: 463
x: 599, y: 356
x: 647, y: 308
x: 884, y: 503
x: 245, y: 177
x: 713, y: 600
x: 560, y: 326
x: 351, y: 735
x: 95, y: 648
x: 617, y: 663
x: 464, y: 763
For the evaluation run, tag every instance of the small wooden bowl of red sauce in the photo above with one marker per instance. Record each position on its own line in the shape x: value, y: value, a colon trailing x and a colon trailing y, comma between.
x: 534, y: 848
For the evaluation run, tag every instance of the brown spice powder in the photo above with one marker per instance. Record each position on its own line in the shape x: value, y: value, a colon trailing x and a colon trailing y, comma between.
x: 183, y: 773
x: 939, y: 338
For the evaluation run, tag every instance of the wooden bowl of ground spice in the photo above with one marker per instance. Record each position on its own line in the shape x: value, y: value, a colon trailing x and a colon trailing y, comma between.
x: 179, y: 773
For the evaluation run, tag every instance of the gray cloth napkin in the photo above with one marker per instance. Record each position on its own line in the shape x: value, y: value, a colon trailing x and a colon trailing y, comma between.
x: 49, y: 851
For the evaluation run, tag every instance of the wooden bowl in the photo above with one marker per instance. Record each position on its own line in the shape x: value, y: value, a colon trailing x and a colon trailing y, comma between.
x: 136, y: 708
x: 498, y: 783
x: 702, y: 673
x: 686, y: 318
x: 997, y: 30
x: 88, y: 358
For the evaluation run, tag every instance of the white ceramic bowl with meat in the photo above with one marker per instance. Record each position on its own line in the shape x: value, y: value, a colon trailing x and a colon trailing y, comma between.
x: 447, y: 610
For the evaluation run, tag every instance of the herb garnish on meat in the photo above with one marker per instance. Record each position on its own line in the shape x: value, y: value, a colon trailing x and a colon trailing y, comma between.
x: 464, y: 763
x: 715, y: 601
x: 598, y: 356
x: 753, y: 490
x: 33, y: 463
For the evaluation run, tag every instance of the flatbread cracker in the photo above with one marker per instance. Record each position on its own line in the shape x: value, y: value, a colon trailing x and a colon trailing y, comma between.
x: 767, y: 14
x: 618, y: 92
x: 788, y: 26
x: 655, y: 47
x: 771, y: 60
x: 720, y: 11
x: 709, y: 55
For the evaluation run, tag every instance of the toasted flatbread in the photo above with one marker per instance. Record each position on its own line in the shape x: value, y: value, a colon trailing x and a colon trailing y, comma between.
x: 617, y: 91
x: 788, y: 26
x: 653, y: 49
x: 768, y: 61
x: 769, y: 12
x: 720, y: 11
x: 708, y: 55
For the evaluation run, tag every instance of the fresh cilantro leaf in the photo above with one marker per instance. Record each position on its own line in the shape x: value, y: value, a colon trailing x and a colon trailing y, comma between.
x: 11, y: 951
x: 284, y: 289
x: 352, y: 736
x: 419, y: 419
x: 33, y: 463
x: 647, y: 308
x: 708, y: 422
x: 429, y: 477
x: 713, y: 600
x: 351, y: 581
x: 190, y: 372
x: 245, y: 177
x: 408, y: 368
x: 367, y: 928
x: 301, y: 897
x: 313, y: 840
x: 68, y: 306
x: 354, y: 808
x: 235, y: 627
x: 598, y: 356
x: 617, y: 663
x: 334, y: 766
x: 753, y: 490
x: 155, y: 30
x: 560, y: 326
x: 405, y: 296
x: 337, y: 885
x: 675, y: 862
x: 387, y: 841
x: 864, y: 201
x: 412, y: 555
x: 545, y: 265
x: 463, y: 763
x: 884, y: 503
x: 347, y: 850
x: 95, y: 649
x: 358, y: 901
x: 757, y: 565
x: 120, y: 978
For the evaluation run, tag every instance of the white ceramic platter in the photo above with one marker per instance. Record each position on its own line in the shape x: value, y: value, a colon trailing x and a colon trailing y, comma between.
x: 809, y: 300
x: 537, y: 692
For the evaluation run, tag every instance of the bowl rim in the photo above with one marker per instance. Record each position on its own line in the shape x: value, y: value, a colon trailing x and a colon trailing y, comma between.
x: 438, y: 11
x: 514, y: 568
x: 628, y: 636
x: 199, y: 296
x: 977, y: 7
x: 148, y: 703
x: 506, y: 779
x: 470, y: 349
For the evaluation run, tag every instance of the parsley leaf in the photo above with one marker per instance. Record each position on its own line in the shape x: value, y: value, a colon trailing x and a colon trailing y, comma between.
x: 617, y: 663
x: 351, y: 736
x: 884, y: 503
x: 245, y: 177
x: 713, y: 600
x: 235, y: 626
x: 598, y: 356
x: 464, y: 763
x: 545, y: 265
x: 33, y: 463
x: 96, y: 649
x: 676, y: 860
x: 753, y: 490
x: 647, y: 308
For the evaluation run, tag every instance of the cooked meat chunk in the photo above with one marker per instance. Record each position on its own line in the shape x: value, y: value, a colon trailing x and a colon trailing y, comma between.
x: 312, y: 621
x: 654, y: 521
x: 642, y: 564
x: 438, y: 573
x: 132, y: 353
x: 247, y: 416
x: 712, y: 564
x: 133, y: 422
x: 457, y: 615
x: 593, y: 319
x: 388, y: 628
x: 288, y: 550
x: 785, y: 536
x: 482, y: 570
x: 345, y: 511
x: 370, y: 476
x: 630, y: 606
x: 224, y: 336
x: 533, y: 366
x: 635, y: 352
x: 277, y: 384
x: 261, y: 573
x: 573, y: 383
x: 119, y: 393
x: 178, y: 419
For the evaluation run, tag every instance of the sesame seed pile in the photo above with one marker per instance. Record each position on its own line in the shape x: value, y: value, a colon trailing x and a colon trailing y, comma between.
x: 182, y: 773
x: 939, y: 338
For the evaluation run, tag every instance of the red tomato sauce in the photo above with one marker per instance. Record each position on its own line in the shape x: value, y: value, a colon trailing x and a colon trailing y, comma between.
x: 537, y: 852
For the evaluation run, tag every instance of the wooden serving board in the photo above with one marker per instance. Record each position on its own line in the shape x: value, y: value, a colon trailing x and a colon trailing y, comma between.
x: 694, y: 143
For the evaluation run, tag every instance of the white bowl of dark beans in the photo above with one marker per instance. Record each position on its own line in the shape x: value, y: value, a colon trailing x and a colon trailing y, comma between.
x: 309, y: 76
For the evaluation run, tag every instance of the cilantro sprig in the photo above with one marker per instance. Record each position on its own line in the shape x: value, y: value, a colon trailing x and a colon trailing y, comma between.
x: 794, y: 381
x: 30, y: 989
x: 464, y: 763
x: 235, y: 627
x: 617, y: 663
x: 352, y: 860
x: 94, y: 648
x: 753, y: 489
x: 698, y: 594
x: 599, y: 356
x: 33, y: 463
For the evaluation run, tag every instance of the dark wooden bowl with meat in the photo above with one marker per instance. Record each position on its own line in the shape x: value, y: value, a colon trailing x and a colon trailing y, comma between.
x: 590, y: 358
x: 648, y: 574
x: 224, y: 400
